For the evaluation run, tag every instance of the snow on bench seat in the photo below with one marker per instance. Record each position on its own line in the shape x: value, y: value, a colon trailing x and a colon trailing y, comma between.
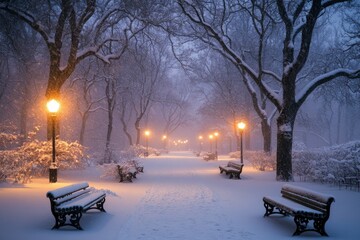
x: 304, y: 205
x: 290, y: 206
x: 84, y: 201
x: 68, y: 203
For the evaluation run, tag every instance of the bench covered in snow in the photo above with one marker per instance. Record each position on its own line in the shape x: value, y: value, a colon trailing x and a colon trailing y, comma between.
x: 209, y: 156
x: 232, y: 169
x: 71, y: 201
x: 304, y: 205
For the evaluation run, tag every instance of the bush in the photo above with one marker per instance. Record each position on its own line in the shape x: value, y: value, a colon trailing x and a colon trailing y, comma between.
x: 258, y: 159
x: 328, y: 165
x: 111, y: 170
x: 33, y: 159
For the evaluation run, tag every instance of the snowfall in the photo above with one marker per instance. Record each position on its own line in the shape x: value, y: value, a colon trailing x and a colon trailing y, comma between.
x: 179, y: 196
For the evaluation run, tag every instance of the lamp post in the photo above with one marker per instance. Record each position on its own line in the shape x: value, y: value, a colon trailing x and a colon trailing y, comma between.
x: 147, y: 134
x: 216, y: 134
x: 211, y: 137
x: 241, y: 127
x: 53, y: 107
x: 164, y: 138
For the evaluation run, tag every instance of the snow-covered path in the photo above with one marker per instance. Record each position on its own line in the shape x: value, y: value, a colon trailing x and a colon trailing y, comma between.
x: 180, y: 206
x: 179, y: 196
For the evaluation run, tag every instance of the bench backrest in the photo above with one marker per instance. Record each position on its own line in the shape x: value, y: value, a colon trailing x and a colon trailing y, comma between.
x: 235, y: 165
x: 67, y: 193
x: 318, y: 201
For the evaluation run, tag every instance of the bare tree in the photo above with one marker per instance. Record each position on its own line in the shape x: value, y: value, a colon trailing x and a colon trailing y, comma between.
x: 21, y: 50
x: 210, y: 23
x: 142, y: 81
x: 174, y: 107
x: 88, y: 102
x: 73, y: 31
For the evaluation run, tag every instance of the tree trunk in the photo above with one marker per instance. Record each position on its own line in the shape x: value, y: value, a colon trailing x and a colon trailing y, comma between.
x: 266, y: 132
x: 138, y: 133
x: 124, y: 125
x: 285, y: 125
x: 82, y: 129
x: 108, y: 137
x: 24, y: 115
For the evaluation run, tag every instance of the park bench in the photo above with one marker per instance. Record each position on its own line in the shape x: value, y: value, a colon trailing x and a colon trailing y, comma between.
x: 209, y: 156
x: 232, y: 169
x: 70, y: 202
x: 304, y: 205
x: 127, y: 172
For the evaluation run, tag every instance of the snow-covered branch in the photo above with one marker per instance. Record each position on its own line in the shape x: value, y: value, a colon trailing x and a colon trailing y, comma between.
x: 312, y: 85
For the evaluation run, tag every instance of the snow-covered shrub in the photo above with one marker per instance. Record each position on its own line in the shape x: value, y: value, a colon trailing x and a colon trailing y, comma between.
x: 330, y: 164
x: 116, y: 156
x: 235, y: 155
x: 139, y: 150
x: 258, y: 159
x: 261, y: 160
x: 33, y: 159
x: 111, y: 170
x: 8, y: 136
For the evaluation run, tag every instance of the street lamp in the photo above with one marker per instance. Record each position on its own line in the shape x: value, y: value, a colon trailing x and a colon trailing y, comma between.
x: 241, y: 126
x: 164, y: 138
x: 216, y: 134
x: 147, y: 134
x: 53, y: 107
x: 211, y: 137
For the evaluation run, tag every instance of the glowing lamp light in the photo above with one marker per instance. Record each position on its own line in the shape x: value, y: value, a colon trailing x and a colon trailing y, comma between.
x: 147, y: 133
x: 53, y: 106
x: 241, y: 125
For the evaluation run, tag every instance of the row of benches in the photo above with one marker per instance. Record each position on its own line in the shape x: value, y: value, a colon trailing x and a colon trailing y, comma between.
x: 70, y: 202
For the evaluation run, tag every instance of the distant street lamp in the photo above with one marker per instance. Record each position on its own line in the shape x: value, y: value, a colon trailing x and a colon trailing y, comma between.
x: 164, y: 138
x: 241, y: 126
x: 147, y: 134
x: 53, y: 107
x: 211, y: 137
x: 216, y: 134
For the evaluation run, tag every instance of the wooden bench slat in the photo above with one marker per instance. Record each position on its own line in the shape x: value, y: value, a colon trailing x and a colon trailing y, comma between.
x: 61, y: 200
x: 82, y: 201
x: 290, y: 206
x: 67, y: 190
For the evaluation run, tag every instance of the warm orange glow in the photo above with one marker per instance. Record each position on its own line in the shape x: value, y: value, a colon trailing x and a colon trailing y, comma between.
x: 147, y: 133
x: 200, y: 137
x: 216, y: 134
x: 211, y: 136
x: 53, y: 106
x: 241, y: 125
x: 164, y: 137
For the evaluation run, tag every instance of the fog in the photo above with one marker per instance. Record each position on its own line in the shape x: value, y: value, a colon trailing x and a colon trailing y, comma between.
x: 174, y: 78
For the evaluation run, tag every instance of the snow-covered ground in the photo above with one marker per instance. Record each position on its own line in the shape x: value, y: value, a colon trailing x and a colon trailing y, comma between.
x: 179, y: 196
